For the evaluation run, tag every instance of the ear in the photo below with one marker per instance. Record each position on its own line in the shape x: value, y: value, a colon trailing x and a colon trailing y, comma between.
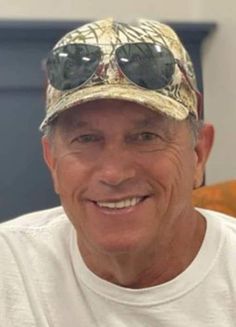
x: 49, y: 155
x: 202, y: 151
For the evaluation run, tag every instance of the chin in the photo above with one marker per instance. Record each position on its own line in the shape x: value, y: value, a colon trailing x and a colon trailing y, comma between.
x: 125, y: 244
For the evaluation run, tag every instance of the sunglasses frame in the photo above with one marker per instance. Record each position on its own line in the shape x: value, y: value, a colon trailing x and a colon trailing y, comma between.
x: 99, y: 70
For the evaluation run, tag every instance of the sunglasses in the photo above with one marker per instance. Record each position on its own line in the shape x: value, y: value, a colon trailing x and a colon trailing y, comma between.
x: 150, y: 66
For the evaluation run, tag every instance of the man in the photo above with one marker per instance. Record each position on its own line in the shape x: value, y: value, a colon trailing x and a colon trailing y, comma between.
x: 125, y: 147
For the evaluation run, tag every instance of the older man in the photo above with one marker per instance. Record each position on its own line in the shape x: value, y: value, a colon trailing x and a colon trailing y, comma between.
x: 125, y: 147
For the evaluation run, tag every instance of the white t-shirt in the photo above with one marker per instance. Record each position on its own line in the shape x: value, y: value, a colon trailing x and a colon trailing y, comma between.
x: 44, y: 281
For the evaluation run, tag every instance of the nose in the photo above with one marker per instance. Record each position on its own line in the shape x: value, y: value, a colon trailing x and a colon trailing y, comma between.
x: 116, y: 167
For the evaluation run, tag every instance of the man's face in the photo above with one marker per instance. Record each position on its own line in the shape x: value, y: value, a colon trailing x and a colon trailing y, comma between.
x: 124, y: 174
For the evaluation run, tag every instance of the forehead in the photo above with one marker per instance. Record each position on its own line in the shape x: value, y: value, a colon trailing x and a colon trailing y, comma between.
x: 112, y: 112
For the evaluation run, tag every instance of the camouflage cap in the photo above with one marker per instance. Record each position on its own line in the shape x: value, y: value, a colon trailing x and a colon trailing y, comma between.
x: 177, y: 99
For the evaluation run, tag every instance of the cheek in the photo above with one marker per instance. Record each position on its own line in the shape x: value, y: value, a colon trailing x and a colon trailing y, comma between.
x: 174, y: 170
x: 183, y: 177
x: 70, y: 174
x: 72, y: 177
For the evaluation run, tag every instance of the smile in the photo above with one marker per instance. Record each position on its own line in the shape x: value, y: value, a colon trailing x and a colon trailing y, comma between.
x: 126, y: 203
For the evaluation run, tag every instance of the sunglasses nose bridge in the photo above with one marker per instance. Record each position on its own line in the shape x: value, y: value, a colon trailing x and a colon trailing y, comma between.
x: 108, y: 68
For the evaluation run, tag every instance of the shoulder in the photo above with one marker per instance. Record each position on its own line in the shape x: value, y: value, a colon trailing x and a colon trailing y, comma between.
x: 35, y: 229
x: 219, y: 251
x: 219, y: 218
x: 221, y: 230
x: 34, y: 249
x: 33, y: 239
x: 35, y: 220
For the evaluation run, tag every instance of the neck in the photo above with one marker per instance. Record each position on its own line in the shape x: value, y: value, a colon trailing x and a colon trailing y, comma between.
x: 155, y: 265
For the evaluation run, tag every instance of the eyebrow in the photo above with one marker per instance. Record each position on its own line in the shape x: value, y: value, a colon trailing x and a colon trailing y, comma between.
x: 73, y: 124
x: 79, y: 124
x: 150, y: 122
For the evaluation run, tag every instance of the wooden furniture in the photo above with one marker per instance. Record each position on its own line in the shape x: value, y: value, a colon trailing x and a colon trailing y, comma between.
x: 220, y: 197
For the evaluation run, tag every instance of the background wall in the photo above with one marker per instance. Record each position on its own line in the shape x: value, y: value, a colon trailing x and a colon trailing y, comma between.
x: 219, y: 66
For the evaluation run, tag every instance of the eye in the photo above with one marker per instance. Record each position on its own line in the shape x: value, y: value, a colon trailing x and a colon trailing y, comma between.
x: 147, y: 136
x: 86, y: 138
x: 143, y: 137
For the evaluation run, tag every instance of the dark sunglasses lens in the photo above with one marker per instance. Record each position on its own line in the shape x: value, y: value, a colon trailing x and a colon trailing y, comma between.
x: 148, y: 65
x: 72, y: 65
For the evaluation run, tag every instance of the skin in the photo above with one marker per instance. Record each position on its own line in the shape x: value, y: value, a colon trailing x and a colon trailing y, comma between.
x: 109, y: 150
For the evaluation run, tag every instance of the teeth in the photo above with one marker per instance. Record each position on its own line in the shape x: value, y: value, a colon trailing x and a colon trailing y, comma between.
x: 120, y: 204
